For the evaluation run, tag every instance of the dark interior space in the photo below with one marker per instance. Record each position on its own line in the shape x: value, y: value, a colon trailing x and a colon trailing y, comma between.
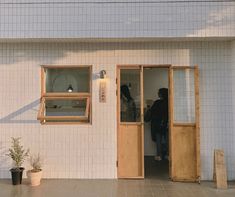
x: 155, y: 78
x: 156, y: 169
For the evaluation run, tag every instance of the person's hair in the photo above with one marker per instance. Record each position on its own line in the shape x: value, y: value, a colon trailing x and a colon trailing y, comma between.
x: 164, y: 93
x: 126, y: 92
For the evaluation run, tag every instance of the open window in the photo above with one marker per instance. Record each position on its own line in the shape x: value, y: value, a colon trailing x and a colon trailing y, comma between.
x: 65, y: 94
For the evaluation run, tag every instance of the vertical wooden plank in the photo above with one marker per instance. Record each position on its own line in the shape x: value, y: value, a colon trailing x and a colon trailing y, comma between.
x: 142, y: 116
x: 87, y: 107
x: 90, y: 91
x: 130, y: 136
x: 43, y: 91
x: 130, y: 163
x: 197, y: 121
x: 184, y: 153
x: 118, y: 117
x: 220, y: 174
x: 185, y: 156
x: 171, y: 116
x: 41, y: 109
x: 43, y: 82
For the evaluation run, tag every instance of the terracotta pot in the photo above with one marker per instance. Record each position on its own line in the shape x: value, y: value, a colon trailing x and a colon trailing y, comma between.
x: 34, y: 177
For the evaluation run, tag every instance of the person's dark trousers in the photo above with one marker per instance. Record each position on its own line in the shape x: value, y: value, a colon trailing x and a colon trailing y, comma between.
x: 159, y: 144
x: 165, y: 144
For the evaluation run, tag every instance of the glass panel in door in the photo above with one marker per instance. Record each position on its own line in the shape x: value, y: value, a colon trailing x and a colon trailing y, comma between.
x: 184, y: 127
x: 130, y: 129
x: 130, y: 105
x: 184, y: 96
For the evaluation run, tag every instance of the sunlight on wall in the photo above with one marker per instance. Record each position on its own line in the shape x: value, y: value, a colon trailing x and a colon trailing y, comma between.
x: 92, y: 148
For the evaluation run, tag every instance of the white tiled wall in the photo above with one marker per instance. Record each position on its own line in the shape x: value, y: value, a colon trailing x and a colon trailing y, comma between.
x: 89, y: 151
x: 123, y: 19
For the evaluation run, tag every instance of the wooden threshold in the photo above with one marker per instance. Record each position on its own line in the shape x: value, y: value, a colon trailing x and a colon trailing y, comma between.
x: 66, y: 66
x: 184, y: 124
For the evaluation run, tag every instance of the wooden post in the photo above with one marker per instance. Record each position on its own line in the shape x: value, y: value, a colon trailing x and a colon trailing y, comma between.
x: 197, y: 121
x: 142, y: 116
x: 171, y: 117
x: 219, y: 173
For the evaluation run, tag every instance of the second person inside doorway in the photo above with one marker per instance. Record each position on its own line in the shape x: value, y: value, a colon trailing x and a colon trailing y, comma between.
x: 158, y: 115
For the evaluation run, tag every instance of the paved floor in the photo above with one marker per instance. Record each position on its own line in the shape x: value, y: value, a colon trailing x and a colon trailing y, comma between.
x: 152, y: 186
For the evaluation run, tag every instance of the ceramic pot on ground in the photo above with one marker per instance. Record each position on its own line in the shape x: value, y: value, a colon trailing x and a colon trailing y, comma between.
x: 34, y: 177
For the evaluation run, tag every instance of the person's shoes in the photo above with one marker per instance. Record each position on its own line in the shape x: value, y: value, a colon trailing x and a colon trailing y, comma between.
x: 157, y: 158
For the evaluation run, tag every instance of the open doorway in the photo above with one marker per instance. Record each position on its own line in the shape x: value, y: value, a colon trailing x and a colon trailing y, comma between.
x: 156, y: 151
x: 134, y: 83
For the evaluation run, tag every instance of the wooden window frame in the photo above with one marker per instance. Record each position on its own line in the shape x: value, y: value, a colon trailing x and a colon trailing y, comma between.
x: 86, y: 119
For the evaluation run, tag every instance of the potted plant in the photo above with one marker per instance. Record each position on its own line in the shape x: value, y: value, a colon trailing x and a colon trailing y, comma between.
x: 35, y: 174
x: 18, y: 154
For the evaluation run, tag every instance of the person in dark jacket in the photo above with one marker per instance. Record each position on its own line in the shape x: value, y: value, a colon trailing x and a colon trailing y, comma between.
x: 158, y: 115
x: 128, y: 107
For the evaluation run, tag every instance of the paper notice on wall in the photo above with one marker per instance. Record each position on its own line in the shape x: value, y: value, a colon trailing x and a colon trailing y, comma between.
x: 102, y: 92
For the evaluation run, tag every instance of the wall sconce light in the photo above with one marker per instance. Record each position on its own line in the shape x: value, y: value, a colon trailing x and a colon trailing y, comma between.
x: 102, y: 74
x: 70, y: 88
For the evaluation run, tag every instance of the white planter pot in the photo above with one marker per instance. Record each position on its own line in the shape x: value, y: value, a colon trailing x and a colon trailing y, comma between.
x: 34, y: 177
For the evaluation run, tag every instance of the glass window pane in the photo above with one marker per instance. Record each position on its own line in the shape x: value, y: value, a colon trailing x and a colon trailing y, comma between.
x: 67, y: 80
x: 65, y: 107
x: 184, y: 96
x: 130, y: 95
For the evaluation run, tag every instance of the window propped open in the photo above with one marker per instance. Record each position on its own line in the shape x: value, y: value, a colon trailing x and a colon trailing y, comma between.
x: 69, y: 109
x: 65, y: 95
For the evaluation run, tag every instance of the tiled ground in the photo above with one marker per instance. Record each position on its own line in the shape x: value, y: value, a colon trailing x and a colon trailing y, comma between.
x: 152, y: 186
x: 113, y: 188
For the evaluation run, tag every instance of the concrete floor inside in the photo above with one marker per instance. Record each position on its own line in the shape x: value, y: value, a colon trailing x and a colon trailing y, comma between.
x: 155, y: 184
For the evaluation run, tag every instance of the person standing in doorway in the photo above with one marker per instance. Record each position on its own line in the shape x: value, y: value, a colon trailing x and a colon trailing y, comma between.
x: 128, y: 107
x: 158, y: 115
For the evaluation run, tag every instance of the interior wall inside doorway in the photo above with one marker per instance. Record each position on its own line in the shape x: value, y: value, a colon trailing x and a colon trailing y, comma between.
x: 154, y: 78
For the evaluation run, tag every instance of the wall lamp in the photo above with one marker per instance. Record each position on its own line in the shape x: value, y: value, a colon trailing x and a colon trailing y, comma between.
x: 70, y: 88
x: 102, y: 74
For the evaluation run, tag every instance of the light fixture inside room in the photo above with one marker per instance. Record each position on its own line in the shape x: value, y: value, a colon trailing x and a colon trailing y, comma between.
x: 70, y: 88
x: 102, y: 74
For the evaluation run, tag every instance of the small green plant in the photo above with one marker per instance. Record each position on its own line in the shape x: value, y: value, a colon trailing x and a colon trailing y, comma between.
x: 17, y: 153
x: 36, y: 163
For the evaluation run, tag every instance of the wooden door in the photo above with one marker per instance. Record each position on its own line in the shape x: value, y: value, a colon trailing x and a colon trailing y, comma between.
x: 184, y: 124
x: 130, y: 122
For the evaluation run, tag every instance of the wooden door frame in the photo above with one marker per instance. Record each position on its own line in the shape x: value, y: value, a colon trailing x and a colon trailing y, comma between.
x: 118, y: 68
x: 196, y: 124
x: 141, y: 67
x: 170, y: 107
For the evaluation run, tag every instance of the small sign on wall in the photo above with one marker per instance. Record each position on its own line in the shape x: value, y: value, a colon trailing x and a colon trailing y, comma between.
x: 220, y: 171
x: 102, y: 91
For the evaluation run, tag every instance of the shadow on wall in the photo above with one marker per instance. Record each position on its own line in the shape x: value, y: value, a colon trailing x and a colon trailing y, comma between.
x: 82, y: 53
x: 189, y: 18
x: 11, y: 117
x: 55, y: 53
x: 215, y: 79
x: 4, y: 160
x: 217, y: 22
